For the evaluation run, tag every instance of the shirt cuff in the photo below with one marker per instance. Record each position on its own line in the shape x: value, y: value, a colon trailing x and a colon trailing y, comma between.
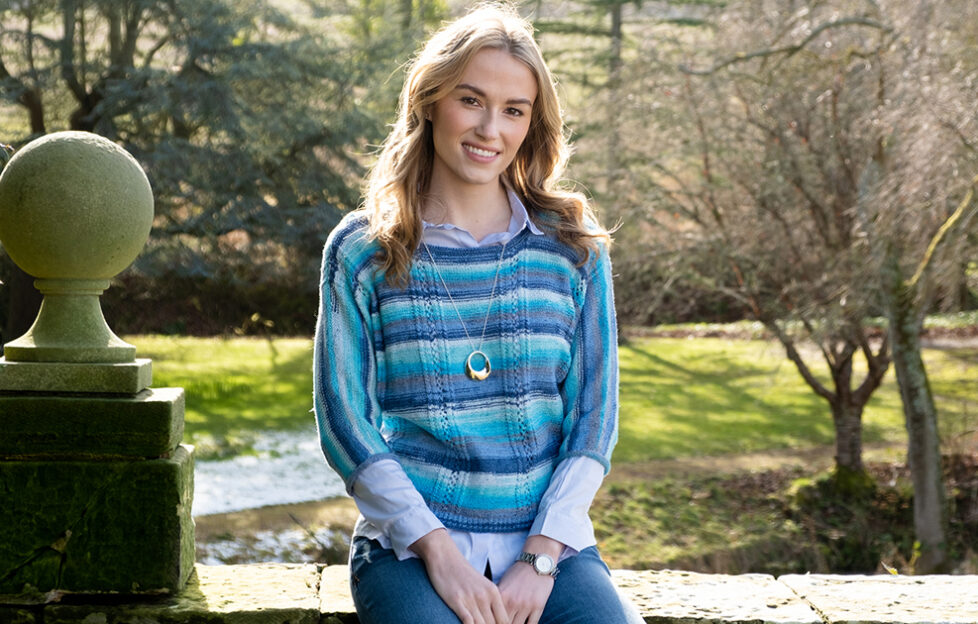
x: 563, y: 511
x: 388, y: 500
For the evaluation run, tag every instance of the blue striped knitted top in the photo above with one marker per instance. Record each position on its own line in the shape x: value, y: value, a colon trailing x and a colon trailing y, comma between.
x: 389, y: 379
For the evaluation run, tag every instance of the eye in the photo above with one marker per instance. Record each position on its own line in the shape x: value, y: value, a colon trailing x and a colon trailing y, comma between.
x: 469, y: 100
x: 515, y: 112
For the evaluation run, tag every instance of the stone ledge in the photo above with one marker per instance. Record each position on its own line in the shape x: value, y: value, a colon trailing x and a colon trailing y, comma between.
x: 675, y: 596
x: 891, y: 599
x: 94, y: 377
x: 310, y: 594
x: 240, y: 594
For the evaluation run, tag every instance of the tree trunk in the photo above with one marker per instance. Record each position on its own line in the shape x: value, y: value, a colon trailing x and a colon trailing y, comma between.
x: 846, y: 403
x: 407, y: 12
x: 25, y: 301
x: 930, y: 514
x: 31, y: 100
x: 848, y: 421
x: 613, y: 129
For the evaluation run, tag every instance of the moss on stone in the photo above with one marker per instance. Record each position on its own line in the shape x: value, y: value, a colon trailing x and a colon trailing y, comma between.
x: 17, y: 615
x: 147, y: 425
x: 112, y: 526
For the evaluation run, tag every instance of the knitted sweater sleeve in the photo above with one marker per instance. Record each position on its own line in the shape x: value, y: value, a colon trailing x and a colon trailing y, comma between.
x: 590, y: 391
x: 344, y: 362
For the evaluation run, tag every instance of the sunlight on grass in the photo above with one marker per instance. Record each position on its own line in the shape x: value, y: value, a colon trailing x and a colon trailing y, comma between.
x: 712, y: 396
x: 234, y: 387
x: 679, y: 397
x: 705, y: 523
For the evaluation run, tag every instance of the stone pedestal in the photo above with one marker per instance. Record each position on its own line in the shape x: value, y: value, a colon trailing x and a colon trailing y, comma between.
x: 121, y: 526
x: 95, y: 487
x: 95, y: 494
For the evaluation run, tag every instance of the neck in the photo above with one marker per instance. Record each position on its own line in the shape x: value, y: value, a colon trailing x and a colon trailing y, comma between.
x: 480, y: 210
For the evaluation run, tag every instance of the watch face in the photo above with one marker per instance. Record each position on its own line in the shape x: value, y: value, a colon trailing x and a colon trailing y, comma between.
x: 543, y: 564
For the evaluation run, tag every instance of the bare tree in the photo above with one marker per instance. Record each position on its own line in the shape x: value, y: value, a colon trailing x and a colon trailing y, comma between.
x: 919, y: 199
x: 831, y: 174
x: 766, y: 182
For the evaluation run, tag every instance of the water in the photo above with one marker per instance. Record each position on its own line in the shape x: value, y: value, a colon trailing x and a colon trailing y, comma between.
x: 288, y: 467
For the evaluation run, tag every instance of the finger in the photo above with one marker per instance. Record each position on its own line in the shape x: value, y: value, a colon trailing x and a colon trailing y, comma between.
x: 500, y: 611
x: 475, y: 617
x: 534, y: 616
x: 520, y: 617
x: 489, y: 604
x: 479, y: 612
x: 493, y: 606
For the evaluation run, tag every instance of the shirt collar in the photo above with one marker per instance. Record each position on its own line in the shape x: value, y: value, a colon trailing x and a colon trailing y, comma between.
x: 518, y: 220
x: 520, y: 216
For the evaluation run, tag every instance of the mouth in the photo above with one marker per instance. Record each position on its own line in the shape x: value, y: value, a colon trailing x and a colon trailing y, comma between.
x: 480, y: 152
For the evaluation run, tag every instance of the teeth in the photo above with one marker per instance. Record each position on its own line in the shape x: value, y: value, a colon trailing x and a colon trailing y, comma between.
x: 480, y: 152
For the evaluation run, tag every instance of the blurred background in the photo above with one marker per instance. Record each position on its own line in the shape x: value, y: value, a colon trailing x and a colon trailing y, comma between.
x: 796, y: 268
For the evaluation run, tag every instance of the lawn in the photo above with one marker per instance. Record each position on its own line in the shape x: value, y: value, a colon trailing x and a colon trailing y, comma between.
x: 679, y: 397
x: 735, y: 407
x: 235, y: 387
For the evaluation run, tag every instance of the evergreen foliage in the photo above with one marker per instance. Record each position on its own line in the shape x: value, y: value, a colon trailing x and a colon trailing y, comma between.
x: 254, y: 124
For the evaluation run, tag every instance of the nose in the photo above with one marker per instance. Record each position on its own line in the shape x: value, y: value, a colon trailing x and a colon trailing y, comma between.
x: 488, y: 126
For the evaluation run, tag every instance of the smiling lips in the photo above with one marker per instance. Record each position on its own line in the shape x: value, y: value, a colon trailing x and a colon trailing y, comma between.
x: 478, y: 151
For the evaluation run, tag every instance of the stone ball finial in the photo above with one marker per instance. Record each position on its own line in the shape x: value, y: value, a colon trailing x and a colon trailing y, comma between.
x: 74, y: 205
x: 75, y: 210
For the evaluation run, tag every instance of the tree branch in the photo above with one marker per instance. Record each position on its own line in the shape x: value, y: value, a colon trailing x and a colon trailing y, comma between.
x: 878, y: 363
x: 962, y: 213
x: 789, y: 50
x: 799, y: 362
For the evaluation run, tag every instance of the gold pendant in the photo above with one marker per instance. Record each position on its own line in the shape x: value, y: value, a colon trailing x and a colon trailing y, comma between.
x: 481, y: 373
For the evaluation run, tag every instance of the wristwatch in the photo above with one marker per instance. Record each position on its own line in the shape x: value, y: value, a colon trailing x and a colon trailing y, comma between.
x: 542, y: 564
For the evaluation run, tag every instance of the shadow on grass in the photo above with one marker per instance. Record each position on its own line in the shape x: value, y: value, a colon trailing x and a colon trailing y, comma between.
x: 681, y: 399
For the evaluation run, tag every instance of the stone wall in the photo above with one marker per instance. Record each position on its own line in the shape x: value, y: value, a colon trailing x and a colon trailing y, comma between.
x: 310, y: 594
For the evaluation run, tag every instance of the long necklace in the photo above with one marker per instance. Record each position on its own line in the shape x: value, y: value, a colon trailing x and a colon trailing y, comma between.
x: 478, y: 374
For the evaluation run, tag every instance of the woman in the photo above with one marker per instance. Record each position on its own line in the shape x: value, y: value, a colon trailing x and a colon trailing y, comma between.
x: 466, y: 360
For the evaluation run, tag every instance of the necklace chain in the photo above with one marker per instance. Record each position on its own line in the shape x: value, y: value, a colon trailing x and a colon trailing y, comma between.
x: 484, y: 372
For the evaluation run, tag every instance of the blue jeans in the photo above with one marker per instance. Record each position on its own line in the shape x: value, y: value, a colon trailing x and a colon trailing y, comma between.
x: 388, y: 591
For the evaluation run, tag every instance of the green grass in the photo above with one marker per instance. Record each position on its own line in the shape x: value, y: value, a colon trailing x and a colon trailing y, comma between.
x: 234, y: 387
x: 712, y: 396
x: 709, y: 523
x: 679, y: 397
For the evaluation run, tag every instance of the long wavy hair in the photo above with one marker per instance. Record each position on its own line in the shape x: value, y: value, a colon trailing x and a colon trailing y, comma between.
x: 397, y: 183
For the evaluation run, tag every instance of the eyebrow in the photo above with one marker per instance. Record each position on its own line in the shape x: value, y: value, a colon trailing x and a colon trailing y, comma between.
x: 482, y: 93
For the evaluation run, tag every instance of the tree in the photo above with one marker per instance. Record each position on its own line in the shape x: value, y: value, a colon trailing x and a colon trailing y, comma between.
x: 246, y: 120
x: 609, y: 57
x: 919, y: 198
x: 816, y: 183
x: 763, y: 180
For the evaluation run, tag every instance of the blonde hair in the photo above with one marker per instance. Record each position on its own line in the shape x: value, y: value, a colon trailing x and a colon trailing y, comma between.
x: 396, y: 184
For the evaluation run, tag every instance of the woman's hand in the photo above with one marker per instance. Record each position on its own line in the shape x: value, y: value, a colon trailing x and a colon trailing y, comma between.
x: 525, y: 593
x: 473, y: 597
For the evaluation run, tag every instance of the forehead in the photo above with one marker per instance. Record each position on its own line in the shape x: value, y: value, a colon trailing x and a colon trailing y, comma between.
x: 500, y: 75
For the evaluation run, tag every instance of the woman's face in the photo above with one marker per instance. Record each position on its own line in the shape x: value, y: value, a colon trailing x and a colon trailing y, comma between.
x: 478, y: 127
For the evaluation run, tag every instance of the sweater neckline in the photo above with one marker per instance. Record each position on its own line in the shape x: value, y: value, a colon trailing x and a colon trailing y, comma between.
x: 474, y: 254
